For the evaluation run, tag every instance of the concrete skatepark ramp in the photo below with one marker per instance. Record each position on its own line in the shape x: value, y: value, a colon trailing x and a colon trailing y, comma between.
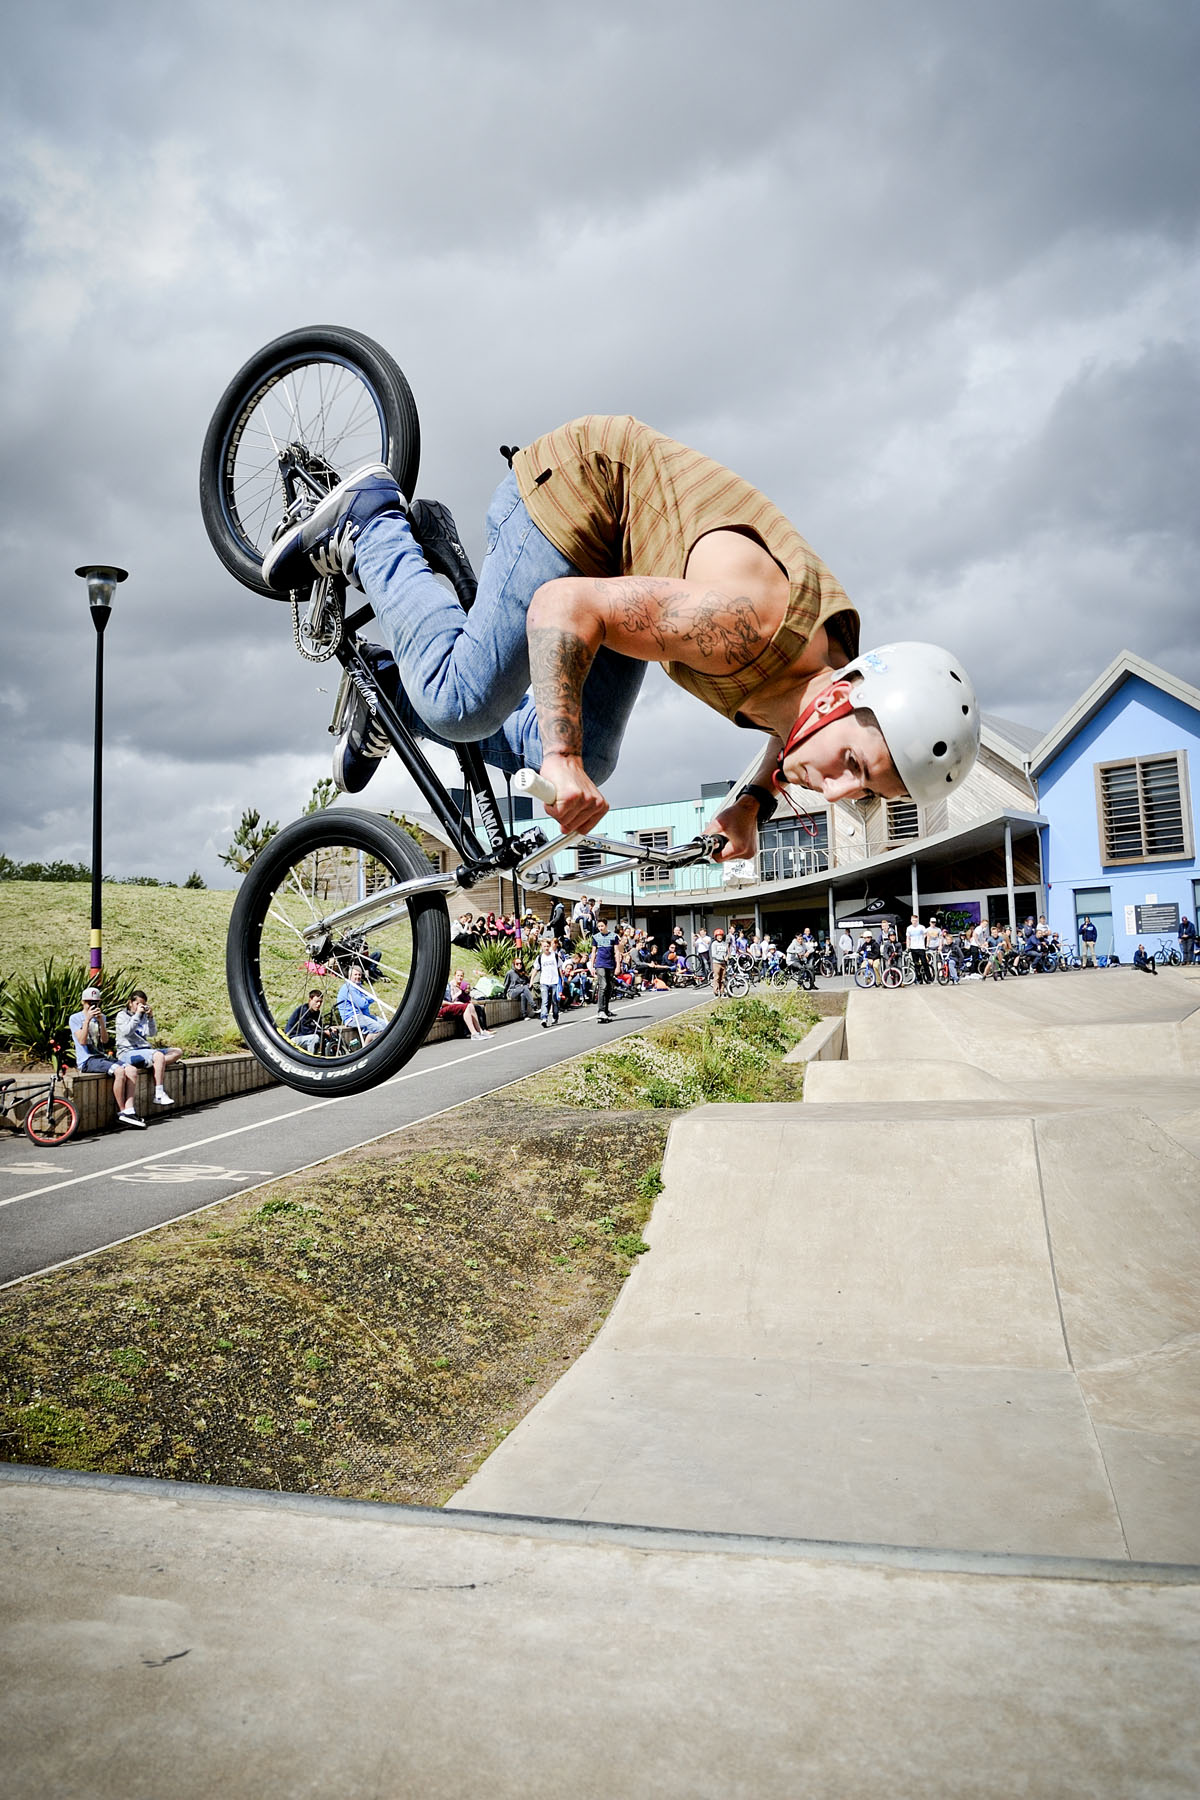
x: 954, y: 1315
x: 921, y: 1350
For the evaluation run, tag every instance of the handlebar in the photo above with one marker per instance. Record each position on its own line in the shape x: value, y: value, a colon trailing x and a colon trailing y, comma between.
x: 528, y: 781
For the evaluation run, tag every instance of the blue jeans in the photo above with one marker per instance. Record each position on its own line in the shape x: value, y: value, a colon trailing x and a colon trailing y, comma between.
x: 464, y: 677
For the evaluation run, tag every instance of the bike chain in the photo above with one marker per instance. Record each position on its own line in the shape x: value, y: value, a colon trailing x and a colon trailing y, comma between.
x: 328, y: 646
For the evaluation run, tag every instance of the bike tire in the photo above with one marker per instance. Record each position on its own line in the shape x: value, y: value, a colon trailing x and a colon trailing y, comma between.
x: 737, y: 984
x: 334, y: 391
x: 942, y: 972
x: 892, y: 978
x: 307, y: 873
x: 51, y: 1121
x: 864, y: 976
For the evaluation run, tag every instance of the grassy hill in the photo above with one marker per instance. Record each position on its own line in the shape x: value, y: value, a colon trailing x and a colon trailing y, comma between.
x: 171, y: 940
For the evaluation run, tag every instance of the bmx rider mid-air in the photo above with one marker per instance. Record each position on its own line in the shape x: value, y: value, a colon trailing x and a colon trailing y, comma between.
x: 610, y: 546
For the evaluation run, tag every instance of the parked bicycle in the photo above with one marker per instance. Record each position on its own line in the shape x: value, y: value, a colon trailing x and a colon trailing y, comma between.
x: 304, y: 412
x: 1167, y: 954
x: 870, y: 974
x: 36, y: 1106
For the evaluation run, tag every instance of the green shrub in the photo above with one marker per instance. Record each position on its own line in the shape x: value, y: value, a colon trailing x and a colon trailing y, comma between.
x: 33, y: 1007
x: 495, y: 954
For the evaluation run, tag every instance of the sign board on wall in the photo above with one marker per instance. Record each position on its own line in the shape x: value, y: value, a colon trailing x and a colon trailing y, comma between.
x: 1155, y: 918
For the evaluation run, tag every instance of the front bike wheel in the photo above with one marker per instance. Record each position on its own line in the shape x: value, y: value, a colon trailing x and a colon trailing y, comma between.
x: 864, y: 976
x: 319, y: 402
x: 737, y: 983
x: 318, y: 900
x: 51, y: 1121
x: 892, y: 978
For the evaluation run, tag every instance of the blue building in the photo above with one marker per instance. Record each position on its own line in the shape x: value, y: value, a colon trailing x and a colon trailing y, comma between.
x: 1114, y: 787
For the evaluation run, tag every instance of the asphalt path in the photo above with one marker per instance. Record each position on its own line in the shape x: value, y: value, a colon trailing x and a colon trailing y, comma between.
x: 58, y: 1205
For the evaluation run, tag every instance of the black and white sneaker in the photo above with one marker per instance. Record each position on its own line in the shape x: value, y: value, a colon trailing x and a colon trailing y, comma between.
x: 434, y: 529
x: 324, y: 541
x: 362, y: 742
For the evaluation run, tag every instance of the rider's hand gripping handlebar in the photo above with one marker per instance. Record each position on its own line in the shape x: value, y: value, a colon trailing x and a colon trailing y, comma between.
x: 528, y: 781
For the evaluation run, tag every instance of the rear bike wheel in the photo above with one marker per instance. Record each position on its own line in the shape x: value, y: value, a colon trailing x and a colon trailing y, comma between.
x: 314, y: 903
x: 51, y: 1121
x: 322, y: 401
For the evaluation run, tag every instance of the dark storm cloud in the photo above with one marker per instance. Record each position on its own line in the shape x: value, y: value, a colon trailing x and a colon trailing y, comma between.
x: 927, y: 275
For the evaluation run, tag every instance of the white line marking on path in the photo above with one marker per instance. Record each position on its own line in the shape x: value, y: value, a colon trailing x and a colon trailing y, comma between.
x: 184, y: 1172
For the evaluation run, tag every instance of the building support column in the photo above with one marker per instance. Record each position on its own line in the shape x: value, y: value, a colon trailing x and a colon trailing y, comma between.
x: 1008, y: 877
x: 915, y: 892
x: 832, y: 913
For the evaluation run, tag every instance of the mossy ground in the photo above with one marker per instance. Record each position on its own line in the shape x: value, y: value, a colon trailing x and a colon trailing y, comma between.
x: 374, y: 1329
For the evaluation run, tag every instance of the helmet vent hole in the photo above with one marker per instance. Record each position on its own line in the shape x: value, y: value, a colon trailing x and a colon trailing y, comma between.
x: 939, y: 749
x: 966, y: 710
x: 954, y: 675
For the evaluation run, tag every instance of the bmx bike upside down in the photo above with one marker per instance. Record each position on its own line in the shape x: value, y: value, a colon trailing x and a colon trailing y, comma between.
x: 348, y: 886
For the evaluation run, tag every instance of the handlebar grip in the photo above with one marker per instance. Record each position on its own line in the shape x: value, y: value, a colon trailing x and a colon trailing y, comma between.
x: 527, y: 781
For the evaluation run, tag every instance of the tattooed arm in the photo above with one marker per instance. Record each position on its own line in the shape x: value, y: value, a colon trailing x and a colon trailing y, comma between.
x: 648, y: 618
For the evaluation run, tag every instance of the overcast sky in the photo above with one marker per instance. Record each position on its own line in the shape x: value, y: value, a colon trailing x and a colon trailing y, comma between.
x: 926, y: 274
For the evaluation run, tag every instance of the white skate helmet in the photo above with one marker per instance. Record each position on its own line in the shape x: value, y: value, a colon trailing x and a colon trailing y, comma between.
x: 927, y: 712
x: 925, y: 706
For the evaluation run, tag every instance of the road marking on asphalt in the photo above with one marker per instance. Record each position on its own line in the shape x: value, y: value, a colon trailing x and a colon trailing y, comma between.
x: 260, y: 1125
x: 184, y: 1172
x: 42, y: 1169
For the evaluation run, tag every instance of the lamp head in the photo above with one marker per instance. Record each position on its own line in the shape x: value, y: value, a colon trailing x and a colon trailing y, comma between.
x: 102, y: 579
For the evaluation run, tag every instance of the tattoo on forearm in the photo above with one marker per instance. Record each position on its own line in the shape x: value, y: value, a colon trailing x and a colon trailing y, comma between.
x: 721, y: 628
x: 558, y: 666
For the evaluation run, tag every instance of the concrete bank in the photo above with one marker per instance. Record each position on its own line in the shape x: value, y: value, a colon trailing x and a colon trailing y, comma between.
x: 176, y: 1640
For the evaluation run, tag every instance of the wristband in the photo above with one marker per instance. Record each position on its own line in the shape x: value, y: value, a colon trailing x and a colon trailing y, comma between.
x: 763, y: 798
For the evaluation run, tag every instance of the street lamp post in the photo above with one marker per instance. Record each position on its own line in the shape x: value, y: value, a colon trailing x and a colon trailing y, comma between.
x: 102, y: 580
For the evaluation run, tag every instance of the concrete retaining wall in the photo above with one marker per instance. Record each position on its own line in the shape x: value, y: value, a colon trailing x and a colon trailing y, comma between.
x: 196, y: 1082
x: 826, y: 1042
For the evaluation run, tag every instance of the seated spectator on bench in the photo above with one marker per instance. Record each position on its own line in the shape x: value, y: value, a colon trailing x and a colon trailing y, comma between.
x: 89, y: 1031
x: 135, y: 1028
x: 458, y: 1004
x: 516, y: 987
x: 304, y: 1024
x: 356, y: 1007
